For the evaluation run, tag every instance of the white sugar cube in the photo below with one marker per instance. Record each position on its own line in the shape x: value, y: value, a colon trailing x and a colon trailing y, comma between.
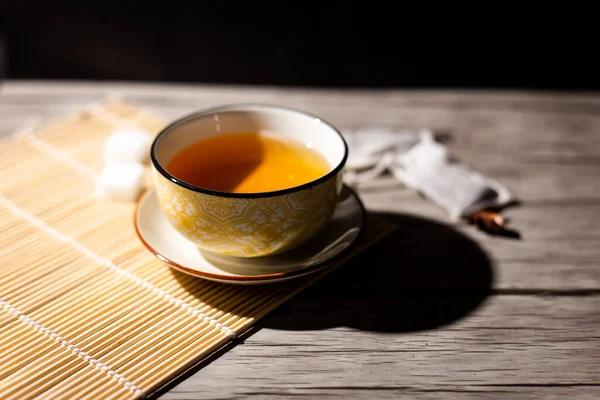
x: 127, y: 145
x: 121, y: 181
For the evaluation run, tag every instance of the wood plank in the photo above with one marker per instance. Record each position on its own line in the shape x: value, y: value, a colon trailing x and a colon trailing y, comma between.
x: 446, y: 98
x: 451, y: 392
x: 533, y: 136
x: 485, y: 129
x: 557, y: 249
x: 316, y: 346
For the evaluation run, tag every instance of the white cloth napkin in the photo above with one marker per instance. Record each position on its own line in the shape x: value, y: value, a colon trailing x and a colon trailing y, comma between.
x: 421, y: 163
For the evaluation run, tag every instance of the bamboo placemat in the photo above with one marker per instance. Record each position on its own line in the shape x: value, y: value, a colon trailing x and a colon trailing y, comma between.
x: 85, y: 310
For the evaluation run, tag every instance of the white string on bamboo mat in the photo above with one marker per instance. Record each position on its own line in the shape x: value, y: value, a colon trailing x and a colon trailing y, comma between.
x: 109, y: 117
x: 32, y: 219
x: 27, y: 132
x: 71, y: 347
x: 113, y: 119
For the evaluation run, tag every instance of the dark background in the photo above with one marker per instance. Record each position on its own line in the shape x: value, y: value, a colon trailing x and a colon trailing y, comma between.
x: 325, y: 44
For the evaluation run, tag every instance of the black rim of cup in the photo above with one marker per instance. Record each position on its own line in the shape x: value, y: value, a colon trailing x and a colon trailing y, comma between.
x: 242, y: 107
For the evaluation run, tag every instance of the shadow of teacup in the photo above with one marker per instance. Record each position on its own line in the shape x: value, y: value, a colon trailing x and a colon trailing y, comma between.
x: 422, y: 276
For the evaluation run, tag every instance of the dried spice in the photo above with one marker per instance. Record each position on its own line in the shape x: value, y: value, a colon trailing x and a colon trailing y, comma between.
x: 488, y: 221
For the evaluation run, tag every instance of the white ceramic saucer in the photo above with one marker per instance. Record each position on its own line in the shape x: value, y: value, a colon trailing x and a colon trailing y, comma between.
x: 162, y: 239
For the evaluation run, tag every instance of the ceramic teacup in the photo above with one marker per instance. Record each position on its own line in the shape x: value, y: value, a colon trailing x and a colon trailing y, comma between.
x: 249, y: 224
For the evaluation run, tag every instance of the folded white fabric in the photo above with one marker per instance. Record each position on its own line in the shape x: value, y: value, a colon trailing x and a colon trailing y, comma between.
x: 421, y: 163
x: 368, y: 145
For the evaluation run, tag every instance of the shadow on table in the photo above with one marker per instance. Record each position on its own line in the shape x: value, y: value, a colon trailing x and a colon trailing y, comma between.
x: 424, y: 275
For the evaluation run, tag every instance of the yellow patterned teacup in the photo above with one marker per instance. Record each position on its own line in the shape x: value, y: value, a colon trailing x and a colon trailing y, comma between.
x: 249, y: 224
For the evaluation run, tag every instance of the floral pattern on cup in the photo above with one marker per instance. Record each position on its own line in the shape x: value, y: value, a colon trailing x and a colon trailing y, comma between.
x: 248, y: 227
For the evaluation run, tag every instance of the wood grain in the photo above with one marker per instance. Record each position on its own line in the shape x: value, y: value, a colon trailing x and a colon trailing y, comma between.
x: 513, y: 346
x: 473, y: 316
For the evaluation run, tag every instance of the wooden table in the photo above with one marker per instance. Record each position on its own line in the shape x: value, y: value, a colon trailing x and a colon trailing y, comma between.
x: 436, y: 310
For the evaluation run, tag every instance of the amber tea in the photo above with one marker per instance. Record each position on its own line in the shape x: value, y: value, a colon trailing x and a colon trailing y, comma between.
x: 248, y: 163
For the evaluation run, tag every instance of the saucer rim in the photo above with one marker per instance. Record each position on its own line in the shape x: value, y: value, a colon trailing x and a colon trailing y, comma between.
x: 246, y: 278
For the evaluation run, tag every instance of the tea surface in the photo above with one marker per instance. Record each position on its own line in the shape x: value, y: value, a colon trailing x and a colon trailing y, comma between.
x: 247, y: 163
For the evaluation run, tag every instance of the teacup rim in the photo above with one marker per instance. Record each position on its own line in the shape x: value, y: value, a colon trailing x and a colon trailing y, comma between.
x: 241, y: 107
